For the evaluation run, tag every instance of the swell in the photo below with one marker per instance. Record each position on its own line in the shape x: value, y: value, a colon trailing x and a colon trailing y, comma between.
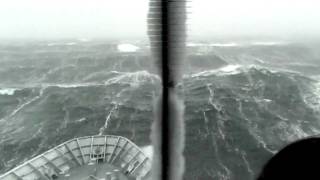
x: 236, y: 117
x: 237, y: 120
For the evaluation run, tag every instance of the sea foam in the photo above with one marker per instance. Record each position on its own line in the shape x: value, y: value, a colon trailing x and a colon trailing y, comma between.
x: 7, y: 91
x: 148, y: 151
x: 127, y: 48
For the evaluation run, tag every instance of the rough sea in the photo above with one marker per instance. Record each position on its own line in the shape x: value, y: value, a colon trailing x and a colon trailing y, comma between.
x: 243, y: 102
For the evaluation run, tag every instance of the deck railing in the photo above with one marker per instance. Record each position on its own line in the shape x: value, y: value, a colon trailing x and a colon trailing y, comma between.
x: 115, y: 150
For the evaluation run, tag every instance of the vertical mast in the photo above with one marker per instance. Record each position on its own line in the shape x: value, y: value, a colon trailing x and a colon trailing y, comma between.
x: 167, y: 34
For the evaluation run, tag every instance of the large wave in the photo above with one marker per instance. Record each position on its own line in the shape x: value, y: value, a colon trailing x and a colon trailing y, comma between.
x: 237, y: 121
x: 242, y: 103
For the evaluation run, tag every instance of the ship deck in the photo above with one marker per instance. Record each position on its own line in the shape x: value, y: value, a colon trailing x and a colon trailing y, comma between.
x: 94, y: 171
x: 89, y: 157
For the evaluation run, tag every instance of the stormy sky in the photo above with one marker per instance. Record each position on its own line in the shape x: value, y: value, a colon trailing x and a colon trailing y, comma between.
x: 280, y: 18
x: 72, y: 18
x: 127, y: 18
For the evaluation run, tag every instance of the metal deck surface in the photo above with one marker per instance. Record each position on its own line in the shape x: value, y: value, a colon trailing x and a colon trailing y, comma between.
x: 80, y: 157
x: 100, y: 171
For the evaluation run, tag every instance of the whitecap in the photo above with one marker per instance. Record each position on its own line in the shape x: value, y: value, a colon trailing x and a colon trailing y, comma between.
x: 312, y: 99
x: 133, y: 78
x: 148, y: 151
x: 225, y: 70
x: 81, y: 119
x: 229, y: 68
x: 267, y: 100
x: 73, y: 85
x: 7, y: 91
x: 127, y: 48
x: 232, y: 44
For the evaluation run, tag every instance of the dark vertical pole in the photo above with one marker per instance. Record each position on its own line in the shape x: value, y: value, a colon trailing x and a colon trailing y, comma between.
x: 166, y: 30
x: 166, y: 76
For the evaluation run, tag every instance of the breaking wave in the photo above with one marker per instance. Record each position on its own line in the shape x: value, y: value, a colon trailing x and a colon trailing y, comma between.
x: 7, y: 91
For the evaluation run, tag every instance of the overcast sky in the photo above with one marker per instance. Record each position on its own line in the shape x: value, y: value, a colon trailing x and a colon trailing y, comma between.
x: 125, y: 18
x: 72, y: 18
x: 256, y: 17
